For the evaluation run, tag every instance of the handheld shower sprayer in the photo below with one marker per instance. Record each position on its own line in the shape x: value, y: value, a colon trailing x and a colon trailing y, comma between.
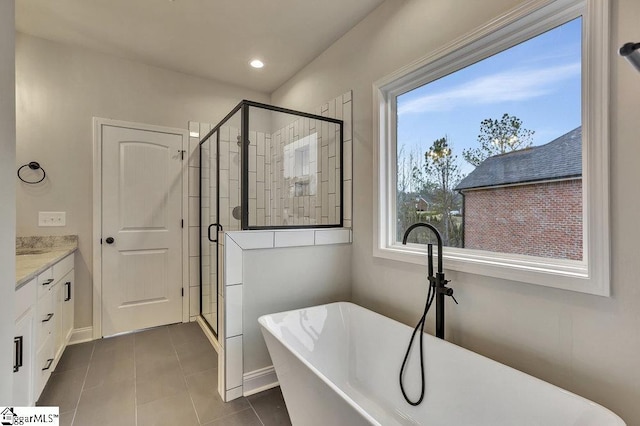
x: 631, y: 52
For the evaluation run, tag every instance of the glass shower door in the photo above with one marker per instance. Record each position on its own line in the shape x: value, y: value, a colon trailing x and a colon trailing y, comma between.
x: 220, y: 207
x: 210, y: 227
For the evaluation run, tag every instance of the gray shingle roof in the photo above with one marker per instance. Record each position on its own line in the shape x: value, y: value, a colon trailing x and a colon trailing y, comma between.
x: 560, y: 158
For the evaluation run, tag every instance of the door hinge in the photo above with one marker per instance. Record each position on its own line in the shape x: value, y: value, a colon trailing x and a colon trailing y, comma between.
x: 182, y: 291
x: 181, y: 223
x: 181, y: 151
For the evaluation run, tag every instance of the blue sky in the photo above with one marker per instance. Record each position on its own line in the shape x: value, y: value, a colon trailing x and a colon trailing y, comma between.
x: 538, y: 81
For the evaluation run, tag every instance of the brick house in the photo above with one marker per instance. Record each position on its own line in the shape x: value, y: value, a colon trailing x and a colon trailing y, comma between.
x: 527, y: 201
x: 421, y: 204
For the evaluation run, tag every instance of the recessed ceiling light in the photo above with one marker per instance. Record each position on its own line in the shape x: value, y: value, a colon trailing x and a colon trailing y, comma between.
x: 256, y: 63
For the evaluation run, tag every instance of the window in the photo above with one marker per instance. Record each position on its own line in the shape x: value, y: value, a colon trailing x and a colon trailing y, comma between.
x: 300, y: 165
x: 500, y: 142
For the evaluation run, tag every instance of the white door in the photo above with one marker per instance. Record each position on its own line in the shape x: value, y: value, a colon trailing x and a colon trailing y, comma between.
x: 141, y: 229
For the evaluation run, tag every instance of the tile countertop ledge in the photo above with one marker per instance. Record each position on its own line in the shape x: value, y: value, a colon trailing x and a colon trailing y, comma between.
x: 30, y: 264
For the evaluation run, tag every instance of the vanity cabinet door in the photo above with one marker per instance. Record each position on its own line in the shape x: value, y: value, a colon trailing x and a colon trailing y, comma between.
x: 59, y: 292
x: 22, y: 362
x: 68, y: 300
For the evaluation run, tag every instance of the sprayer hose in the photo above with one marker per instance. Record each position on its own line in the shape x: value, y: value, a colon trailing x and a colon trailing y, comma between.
x: 430, y: 296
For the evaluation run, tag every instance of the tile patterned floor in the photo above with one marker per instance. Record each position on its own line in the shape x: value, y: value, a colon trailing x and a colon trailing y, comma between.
x: 163, y: 376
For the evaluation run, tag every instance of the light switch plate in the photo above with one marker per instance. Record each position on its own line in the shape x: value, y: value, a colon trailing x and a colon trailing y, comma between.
x: 52, y: 218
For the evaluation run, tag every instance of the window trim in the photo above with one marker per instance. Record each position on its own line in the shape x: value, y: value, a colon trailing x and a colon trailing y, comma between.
x: 592, y: 274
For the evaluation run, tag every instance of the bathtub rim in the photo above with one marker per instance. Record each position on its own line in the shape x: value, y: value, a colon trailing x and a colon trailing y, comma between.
x: 355, y: 405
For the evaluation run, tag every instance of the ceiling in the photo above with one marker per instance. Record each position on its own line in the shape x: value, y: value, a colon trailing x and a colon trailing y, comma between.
x: 214, y: 39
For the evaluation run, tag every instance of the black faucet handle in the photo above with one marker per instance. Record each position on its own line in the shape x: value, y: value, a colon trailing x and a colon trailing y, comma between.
x: 449, y: 292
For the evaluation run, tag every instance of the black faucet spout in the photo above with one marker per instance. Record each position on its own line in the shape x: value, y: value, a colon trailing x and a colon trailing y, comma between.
x: 438, y: 281
x: 436, y: 233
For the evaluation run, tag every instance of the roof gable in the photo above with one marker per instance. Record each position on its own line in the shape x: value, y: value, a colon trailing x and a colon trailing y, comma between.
x: 558, y: 159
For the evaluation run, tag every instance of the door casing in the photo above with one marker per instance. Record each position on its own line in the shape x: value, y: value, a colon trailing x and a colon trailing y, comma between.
x: 98, y: 123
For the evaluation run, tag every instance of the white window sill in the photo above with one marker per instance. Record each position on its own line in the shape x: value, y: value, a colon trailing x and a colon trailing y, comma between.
x: 561, y: 274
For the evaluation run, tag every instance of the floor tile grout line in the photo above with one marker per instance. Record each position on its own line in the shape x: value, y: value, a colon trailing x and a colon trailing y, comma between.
x: 135, y: 368
x: 193, y: 404
x: 175, y: 351
x: 254, y: 410
x: 235, y: 413
x: 184, y: 377
x: 84, y: 382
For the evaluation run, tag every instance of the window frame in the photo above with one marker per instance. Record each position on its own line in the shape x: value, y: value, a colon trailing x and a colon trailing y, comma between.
x: 592, y: 274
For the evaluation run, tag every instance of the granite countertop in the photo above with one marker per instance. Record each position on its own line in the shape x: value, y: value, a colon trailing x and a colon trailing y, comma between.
x: 36, y: 254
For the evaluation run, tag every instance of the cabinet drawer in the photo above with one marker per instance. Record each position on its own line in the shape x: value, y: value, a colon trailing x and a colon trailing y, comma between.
x: 63, y: 267
x: 44, y: 319
x: 25, y: 296
x: 45, y: 280
x: 43, y: 366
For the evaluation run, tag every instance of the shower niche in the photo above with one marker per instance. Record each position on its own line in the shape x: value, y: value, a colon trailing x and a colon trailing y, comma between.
x: 264, y: 167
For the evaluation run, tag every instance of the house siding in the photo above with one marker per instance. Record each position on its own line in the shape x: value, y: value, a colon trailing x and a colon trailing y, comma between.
x: 542, y: 219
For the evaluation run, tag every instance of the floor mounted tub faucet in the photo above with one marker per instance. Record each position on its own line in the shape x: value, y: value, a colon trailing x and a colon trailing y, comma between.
x: 437, y: 281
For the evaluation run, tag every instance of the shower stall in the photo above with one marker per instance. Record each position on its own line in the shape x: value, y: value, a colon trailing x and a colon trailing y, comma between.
x: 265, y: 167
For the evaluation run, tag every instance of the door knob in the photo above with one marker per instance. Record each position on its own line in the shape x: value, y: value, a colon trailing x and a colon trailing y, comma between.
x: 109, y: 240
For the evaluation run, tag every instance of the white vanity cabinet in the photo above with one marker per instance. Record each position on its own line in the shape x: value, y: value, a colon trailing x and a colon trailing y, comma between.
x: 51, y: 312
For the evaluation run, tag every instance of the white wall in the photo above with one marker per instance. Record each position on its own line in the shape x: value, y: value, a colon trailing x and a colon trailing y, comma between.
x: 59, y: 89
x: 283, y: 279
x: 7, y: 195
x: 587, y: 344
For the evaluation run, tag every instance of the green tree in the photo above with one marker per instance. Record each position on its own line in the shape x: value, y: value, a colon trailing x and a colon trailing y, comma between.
x: 442, y: 168
x: 498, y: 137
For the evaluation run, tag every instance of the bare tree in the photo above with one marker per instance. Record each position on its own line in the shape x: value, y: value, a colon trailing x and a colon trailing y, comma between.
x: 442, y: 167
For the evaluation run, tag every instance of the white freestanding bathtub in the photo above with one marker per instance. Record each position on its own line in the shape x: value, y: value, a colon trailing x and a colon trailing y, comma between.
x: 338, y: 364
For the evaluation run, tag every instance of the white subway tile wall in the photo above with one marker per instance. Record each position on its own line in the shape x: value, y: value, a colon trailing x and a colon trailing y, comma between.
x: 293, y: 173
x: 233, y: 316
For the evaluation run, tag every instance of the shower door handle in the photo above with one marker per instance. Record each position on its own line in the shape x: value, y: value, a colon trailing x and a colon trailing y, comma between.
x: 218, y: 227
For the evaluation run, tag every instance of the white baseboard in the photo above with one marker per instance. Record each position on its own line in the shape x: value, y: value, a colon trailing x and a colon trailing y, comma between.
x: 259, y: 380
x: 81, y: 335
x: 207, y: 332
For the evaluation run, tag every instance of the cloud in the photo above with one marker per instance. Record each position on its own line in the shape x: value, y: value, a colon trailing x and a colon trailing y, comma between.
x: 512, y: 85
